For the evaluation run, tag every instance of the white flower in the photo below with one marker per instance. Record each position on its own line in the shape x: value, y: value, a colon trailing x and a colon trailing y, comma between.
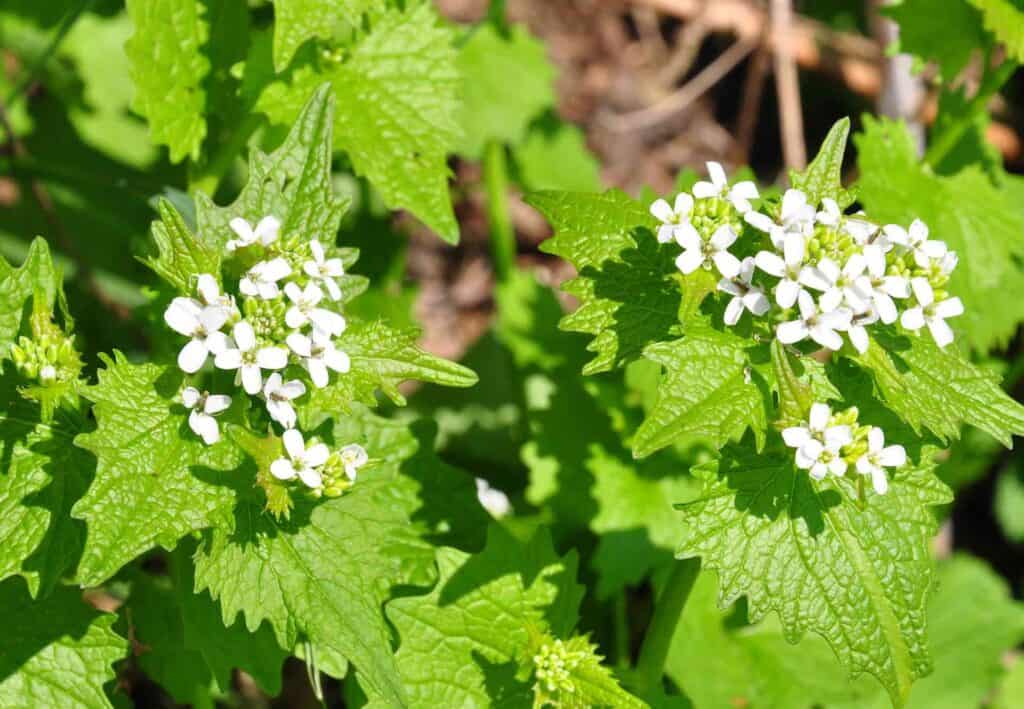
x: 916, y: 239
x: 493, y: 500
x: 672, y: 218
x: 210, y: 295
x: 787, y: 268
x: 204, y: 407
x: 879, y: 457
x: 858, y: 333
x: 324, y: 269
x: 265, y: 232
x: 353, y: 457
x: 304, y: 310
x: 860, y: 229
x: 262, y: 278
x: 302, y: 461
x: 249, y: 360
x: 948, y: 263
x: 821, y: 327
x: 745, y: 296
x: 838, y: 285
x: 830, y: 215
x: 739, y: 196
x: 697, y: 252
x: 818, y: 444
x: 185, y: 316
x: 796, y: 217
x: 928, y: 312
x: 318, y: 353
x: 279, y: 395
x: 880, y: 287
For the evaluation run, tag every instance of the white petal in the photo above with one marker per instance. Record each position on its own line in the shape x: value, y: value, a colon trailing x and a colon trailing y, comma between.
x: 190, y: 397
x: 337, y: 360
x: 837, y: 466
x: 328, y: 321
x: 837, y: 436
x: 208, y: 288
x: 666, y: 233
x: 310, y: 477
x: 282, y: 468
x: 204, y: 426
x: 896, y: 286
x: 213, y: 317
x: 716, y: 173
x: 756, y: 301
x: 803, y: 460
x: 661, y: 210
x: 686, y: 236
x: 272, y: 385
x: 879, y: 481
x: 793, y: 202
x: 745, y: 190
x: 819, y: 416
x: 267, y: 229
x: 217, y: 342
x: 918, y: 231
x: 182, y: 315
x: 690, y: 260
x: 874, y: 260
x: 770, y: 263
x: 893, y: 456
x: 193, y: 356
x: 922, y: 291
x: 317, y: 455
x: 790, y: 332
x: 814, y: 277
x: 272, y: 358
x: 317, y: 249
x: 864, y: 465
x: 683, y: 204
x: 248, y: 287
x: 727, y: 264
x: 282, y: 412
x: 826, y: 337
x: 332, y: 289
x: 913, y: 319
x: 859, y: 338
x: 794, y: 248
x: 830, y: 300
x: 300, y: 344
x: 949, y: 308
x: 275, y: 270
x: 252, y: 379
x: 294, y: 317
x: 704, y: 190
x: 293, y: 443
x: 312, y: 294
x: 941, y: 331
x: 885, y: 306
x: 228, y: 359
x: 267, y: 290
x: 787, y: 292
x: 807, y: 307
x: 243, y: 229
x: 876, y: 439
x: 838, y: 319
x: 731, y: 287
x: 293, y: 292
x: 215, y: 403
x: 796, y: 436
x: 244, y: 336
x: 759, y: 221
x: 292, y: 390
x: 733, y: 311
x: 723, y: 238
x: 819, y: 470
x: 318, y: 372
x: 854, y: 266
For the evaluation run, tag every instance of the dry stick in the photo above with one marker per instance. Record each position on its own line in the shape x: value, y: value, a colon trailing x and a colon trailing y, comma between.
x: 902, y: 93
x: 750, y: 105
x: 674, y: 103
x: 49, y: 210
x: 688, y: 40
x: 787, y: 87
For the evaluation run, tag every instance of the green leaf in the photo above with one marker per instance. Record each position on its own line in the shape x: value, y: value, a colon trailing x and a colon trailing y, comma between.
x: 293, y: 183
x: 169, y: 69
x: 182, y: 256
x: 824, y: 176
x: 981, y: 222
x: 1005, y: 19
x: 934, y: 388
x: 857, y: 574
x: 586, y: 682
x: 296, y: 21
x: 1009, y: 502
x: 628, y: 297
x: 554, y: 156
x: 707, y: 392
x: 382, y: 358
x: 506, y: 82
x: 17, y: 285
x: 944, y: 31
x: 55, y: 652
x: 465, y: 643
x: 397, y: 89
x: 322, y: 574
x: 155, y: 482
x: 1012, y: 687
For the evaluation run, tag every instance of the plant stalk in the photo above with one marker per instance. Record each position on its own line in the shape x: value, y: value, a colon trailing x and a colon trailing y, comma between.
x: 669, y: 608
x: 208, y: 177
x: 503, y: 237
x: 991, y: 84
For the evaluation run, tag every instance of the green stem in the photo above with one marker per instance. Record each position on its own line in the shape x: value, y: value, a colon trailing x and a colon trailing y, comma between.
x: 669, y: 608
x: 208, y: 177
x: 948, y: 139
x: 621, y: 630
x: 65, y: 26
x: 503, y: 238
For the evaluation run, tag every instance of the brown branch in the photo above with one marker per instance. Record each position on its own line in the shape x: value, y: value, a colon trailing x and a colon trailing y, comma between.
x: 787, y: 87
x: 750, y: 104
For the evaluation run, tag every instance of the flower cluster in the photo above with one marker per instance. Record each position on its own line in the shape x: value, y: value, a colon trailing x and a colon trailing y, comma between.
x: 829, y: 443
x: 279, y: 329
x: 812, y: 270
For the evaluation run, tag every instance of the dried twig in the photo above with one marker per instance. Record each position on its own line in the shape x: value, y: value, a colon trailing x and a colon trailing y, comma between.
x: 750, y: 104
x: 688, y: 41
x: 787, y: 87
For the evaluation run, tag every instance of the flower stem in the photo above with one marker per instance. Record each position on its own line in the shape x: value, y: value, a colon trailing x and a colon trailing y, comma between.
x: 669, y: 608
x: 948, y: 139
x: 503, y: 238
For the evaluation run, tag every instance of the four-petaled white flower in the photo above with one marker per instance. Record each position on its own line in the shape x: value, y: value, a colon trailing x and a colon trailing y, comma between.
x: 819, y: 326
x: 324, y: 269
x: 745, y: 295
x: 261, y: 280
x: 739, y: 195
x: 353, y: 457
x: 879, y: 457
x: 492, y: 499
x: 301, y: 461
x: 697, y: 251
x: 858, y: 333
x: 796, y: 217
x: 788, y: 268
x: 928, y: 312
x: 673, y: 219
x: 319, y: 354
x: 880, y: 287
x: 186, y: 317
x: 838, y: 285
x: 915, y: 239
x: 210, y: 295
x: 248, y: 359
x: 279, y: 395
x: 818, y: 444
x: 304, y: 310
x: 265, y: 232
x: 204, y: 406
